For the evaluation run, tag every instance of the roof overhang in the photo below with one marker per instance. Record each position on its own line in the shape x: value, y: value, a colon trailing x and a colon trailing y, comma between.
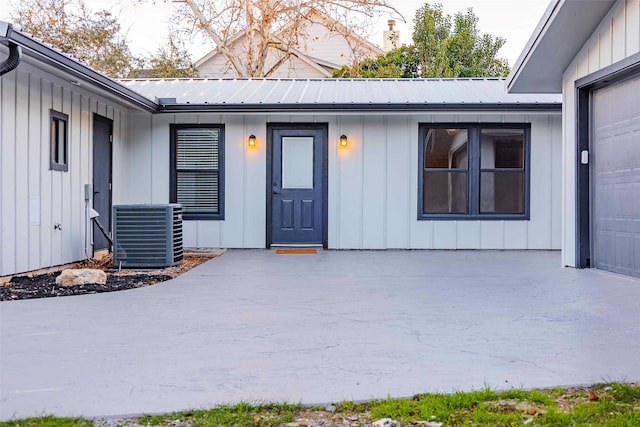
x: 563, y: 30
x: 59, y: 63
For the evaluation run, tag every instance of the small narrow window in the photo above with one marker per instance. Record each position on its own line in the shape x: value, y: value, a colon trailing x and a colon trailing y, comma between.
x: 197, y: 165
x: 59, y: 145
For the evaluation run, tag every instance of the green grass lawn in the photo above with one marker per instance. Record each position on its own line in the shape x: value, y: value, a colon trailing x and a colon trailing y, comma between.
x: 612, y: 404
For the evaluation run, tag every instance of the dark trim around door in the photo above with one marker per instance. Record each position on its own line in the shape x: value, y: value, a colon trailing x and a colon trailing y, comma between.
x: 323, y: 127
x: 620, y: 71
x: 109, y: 122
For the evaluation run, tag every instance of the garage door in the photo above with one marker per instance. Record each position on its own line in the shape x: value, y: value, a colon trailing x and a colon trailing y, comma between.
x: 616, y: 178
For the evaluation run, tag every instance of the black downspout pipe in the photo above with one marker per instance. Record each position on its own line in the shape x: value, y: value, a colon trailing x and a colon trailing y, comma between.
x: 15, y: 55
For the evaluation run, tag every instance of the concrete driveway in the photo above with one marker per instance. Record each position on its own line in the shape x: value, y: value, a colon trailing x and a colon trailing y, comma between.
x: 252, y: 325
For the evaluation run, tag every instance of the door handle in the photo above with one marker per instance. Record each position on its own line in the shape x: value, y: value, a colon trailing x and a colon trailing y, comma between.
x: 277, y: 192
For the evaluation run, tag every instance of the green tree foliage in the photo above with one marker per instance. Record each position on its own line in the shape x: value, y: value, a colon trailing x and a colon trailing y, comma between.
x: 398, y: 63
x: 431, y: 35
x: 471, y: 54
x: 443, y: 46
x: 169, y: 61
x: 94, y: 39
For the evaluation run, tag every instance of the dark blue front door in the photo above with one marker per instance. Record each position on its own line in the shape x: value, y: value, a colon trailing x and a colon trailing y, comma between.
x: 298, y: 185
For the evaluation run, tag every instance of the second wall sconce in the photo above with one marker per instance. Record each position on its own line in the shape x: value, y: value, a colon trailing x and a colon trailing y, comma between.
x: 252, y: 140
x: 343, y: 141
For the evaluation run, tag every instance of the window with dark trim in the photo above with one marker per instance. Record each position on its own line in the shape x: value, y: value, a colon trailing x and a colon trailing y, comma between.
x: 59, y: 144
x: 197, y: 170
x: 472, y: 171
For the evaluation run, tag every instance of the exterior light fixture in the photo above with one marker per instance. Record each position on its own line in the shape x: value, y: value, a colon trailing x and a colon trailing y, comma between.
x: 343, y: 140
x: 252, y: 140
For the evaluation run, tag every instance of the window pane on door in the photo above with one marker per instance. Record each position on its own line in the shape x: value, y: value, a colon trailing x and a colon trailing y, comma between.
x: 445, y: 192
x: 297, y: 162
x: 502, y: 192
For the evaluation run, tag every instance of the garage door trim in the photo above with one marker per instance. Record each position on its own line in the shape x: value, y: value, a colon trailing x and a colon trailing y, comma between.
x: 585, y: 87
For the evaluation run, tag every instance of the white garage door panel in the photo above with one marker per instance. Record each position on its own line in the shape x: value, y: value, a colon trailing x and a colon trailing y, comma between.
x: 616, y: 178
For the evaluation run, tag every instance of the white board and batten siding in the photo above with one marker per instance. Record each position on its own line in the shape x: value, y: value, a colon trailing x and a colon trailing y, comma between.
x: 373, y: 183
x: 34, y: 198
x: 244, y: 176
x: 617, y: 37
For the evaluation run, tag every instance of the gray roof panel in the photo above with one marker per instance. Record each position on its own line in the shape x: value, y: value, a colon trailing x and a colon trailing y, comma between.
x: 338, y: 94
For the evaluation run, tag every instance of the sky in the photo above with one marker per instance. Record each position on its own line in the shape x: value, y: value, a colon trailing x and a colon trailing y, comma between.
x: 514, y: 20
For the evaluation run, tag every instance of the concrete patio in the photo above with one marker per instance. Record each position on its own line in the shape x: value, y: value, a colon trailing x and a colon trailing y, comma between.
x: 252, y: 325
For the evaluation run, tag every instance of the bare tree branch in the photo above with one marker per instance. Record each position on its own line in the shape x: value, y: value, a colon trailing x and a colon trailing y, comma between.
x: 257, y: 26
x: 206, y: 26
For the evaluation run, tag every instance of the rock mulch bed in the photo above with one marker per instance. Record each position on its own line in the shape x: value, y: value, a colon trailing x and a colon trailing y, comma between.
x: 614, y: 404
x: 44, y: 285
x: 305, y: 418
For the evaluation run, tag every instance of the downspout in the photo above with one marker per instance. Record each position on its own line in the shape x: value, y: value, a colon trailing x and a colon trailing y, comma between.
x: 15, y: 51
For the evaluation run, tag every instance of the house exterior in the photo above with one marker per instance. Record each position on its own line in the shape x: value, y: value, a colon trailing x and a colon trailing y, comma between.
x: 372, y: 191
x: 324, y: 45
x: 342, y: 164
x: 52, y: 111
x: 596, y: 67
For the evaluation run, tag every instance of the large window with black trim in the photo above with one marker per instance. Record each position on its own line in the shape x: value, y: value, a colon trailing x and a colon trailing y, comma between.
x: 474, y: 171
x: 197, y: 170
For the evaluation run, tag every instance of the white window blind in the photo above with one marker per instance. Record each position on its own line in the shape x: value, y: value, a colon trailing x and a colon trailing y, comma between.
x: 198, y: 148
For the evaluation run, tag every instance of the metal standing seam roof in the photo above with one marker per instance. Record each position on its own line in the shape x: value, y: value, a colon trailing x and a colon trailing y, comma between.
x: 338, y: 94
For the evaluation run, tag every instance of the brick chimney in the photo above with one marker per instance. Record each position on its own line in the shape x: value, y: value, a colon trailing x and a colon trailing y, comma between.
x: 391, y: 37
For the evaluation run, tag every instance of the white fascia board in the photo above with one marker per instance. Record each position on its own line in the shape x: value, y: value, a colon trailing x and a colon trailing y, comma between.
x: 563, y: 30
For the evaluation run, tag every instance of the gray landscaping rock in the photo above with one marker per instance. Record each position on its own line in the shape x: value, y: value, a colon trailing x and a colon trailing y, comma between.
x: 81, y: 276
x: 386, y: 422
x: 115, y: 422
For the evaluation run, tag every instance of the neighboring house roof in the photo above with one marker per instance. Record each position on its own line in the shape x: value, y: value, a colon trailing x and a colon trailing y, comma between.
x: 563, y: 30
x: 310, y: 54
x: 321, y: 67
x: 262, y: 95
x: 62, y: 65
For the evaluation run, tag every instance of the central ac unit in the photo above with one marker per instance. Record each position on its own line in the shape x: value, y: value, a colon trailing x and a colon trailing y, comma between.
x: 147, y: 236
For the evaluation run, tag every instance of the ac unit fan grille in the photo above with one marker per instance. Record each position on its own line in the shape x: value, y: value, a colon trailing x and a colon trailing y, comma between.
x: 147, y: 235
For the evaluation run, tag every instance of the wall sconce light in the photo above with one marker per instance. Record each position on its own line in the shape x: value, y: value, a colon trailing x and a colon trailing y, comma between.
x: 343, y: 140
x: 252, y: 140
